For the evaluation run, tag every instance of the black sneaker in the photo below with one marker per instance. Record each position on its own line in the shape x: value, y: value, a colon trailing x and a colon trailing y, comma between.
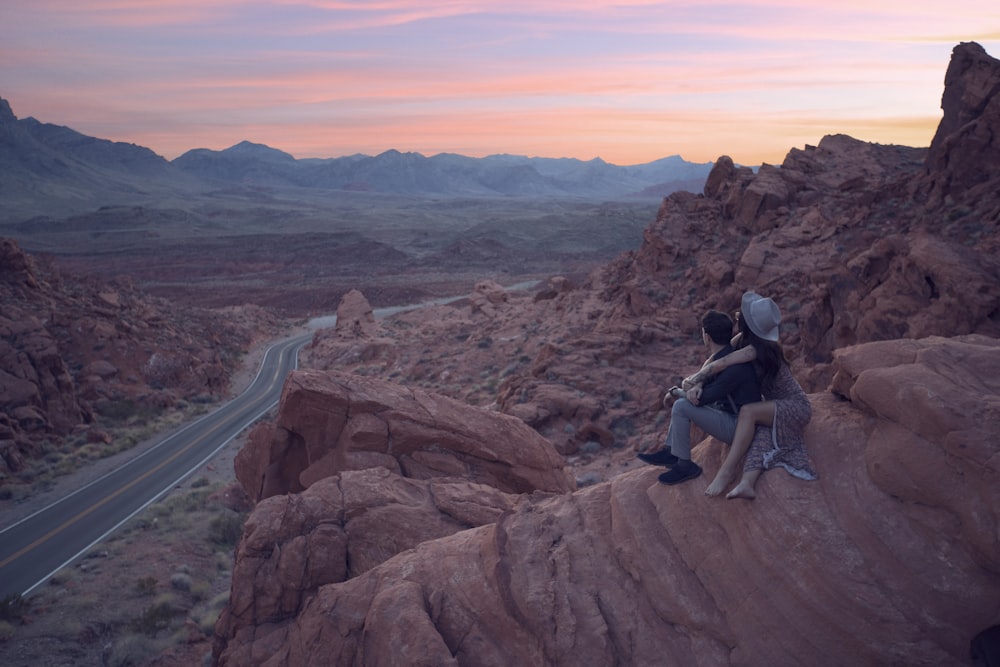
x: 662, y: 457
x: 681, y: 473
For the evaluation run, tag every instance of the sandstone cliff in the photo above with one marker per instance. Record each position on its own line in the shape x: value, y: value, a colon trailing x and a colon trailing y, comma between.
x: 885, y: 262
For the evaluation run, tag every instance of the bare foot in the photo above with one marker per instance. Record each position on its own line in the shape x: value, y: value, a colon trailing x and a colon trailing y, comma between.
x: 742, y: 490
x: 719, y: 484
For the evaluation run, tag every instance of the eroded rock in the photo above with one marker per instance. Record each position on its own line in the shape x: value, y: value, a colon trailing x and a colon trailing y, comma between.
x: 330, y: 422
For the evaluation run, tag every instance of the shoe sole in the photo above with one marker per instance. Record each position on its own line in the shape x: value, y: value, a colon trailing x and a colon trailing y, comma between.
x: 682, y: 479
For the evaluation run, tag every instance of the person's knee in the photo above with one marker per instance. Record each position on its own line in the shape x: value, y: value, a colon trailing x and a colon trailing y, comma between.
x: 752, y: 412
x: 681, y: 406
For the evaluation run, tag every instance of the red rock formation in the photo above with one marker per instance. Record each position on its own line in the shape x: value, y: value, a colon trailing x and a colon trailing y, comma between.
x: 886, y: 263
x: 331, y: 422
x: 76, y: 353
x: 892, y: 557
x: 340, y: 527
x: 965, y: 152
x: 355, y: 317
x: 486, y: 296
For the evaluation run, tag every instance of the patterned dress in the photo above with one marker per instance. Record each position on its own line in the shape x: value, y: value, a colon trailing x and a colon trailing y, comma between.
x: 782, y: 444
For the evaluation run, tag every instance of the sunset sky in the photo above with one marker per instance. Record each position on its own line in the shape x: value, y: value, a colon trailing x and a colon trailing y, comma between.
x: 628, y: 81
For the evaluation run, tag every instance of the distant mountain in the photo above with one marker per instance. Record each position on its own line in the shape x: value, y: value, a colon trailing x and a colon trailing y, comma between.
x: 48, y: 168
x: 443, y: 174
x: 52, y: 170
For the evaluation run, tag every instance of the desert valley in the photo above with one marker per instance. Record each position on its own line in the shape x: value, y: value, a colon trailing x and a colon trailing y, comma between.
x: 457, y: 484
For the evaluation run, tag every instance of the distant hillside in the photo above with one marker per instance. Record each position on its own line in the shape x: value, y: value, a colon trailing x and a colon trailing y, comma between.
x: 53, y: 170
x: 50, y: 169
x: 443, y: 174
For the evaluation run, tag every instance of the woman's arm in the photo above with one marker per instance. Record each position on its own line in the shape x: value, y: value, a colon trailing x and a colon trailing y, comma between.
x: 740, y: 356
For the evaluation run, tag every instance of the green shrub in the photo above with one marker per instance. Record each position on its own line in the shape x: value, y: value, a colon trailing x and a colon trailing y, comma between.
x: 226, y: 529
x: 200, y: 590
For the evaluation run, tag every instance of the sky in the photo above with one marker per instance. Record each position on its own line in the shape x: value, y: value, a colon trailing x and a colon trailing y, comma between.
x: 629, y: 82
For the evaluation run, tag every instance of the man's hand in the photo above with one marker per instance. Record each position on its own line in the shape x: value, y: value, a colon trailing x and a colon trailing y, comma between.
x: 672, y: 394
x: 694, y: 394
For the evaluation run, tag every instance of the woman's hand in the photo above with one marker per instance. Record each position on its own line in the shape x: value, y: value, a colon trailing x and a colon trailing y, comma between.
x: 694, y: 380
x: 694, y: 394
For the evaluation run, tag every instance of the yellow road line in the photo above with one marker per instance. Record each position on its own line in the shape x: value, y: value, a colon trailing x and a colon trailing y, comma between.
x: 103, y: 501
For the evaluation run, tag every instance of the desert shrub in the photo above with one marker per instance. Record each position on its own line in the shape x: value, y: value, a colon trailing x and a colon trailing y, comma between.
x: 61, y: 577
x: 145, y: 585
x: 130, y: 651
x: 181, y: 581
x: 623, y: 427
x: 226, y: 528
x: 6, y: 631
x: 13, y: 607
x: 207, y: 614
x: 200, y: 590
x: 155, y: 618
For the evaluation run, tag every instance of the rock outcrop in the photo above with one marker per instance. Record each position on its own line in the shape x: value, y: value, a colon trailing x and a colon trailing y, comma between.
x: 78, y: 355
x: 339, y: 528
x: 355, y: 317
x: 965, y: 152
x: 892, y: 557
x: 331, y: 422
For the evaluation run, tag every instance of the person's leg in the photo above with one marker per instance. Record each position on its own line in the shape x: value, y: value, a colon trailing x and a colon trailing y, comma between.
x: 678, y: 436
x: 712, y: 421
x: 751, y: 415
x: 679, y: 433
x: 745, y: 489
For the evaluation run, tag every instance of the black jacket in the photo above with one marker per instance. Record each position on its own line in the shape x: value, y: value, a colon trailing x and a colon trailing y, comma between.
x: 733, y: 388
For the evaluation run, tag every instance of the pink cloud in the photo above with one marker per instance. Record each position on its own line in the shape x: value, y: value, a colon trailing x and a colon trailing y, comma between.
x: 630, y: 81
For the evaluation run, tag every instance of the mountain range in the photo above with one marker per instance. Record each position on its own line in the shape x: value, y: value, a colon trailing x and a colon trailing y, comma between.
x: 52, y: 169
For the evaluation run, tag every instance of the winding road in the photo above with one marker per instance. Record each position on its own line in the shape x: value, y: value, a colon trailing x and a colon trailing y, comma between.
x: 37, y: 546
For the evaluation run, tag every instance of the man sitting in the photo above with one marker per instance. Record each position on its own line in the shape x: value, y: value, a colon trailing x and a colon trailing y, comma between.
x: 713, y: 406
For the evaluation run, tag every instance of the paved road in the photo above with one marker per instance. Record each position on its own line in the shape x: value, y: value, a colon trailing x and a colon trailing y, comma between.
x: 35, y: 548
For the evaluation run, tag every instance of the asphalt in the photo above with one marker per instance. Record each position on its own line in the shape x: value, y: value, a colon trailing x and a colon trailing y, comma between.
x: 39, y: 545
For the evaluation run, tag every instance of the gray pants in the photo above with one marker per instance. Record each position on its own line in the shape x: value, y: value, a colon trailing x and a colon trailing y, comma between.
x: 715, y: 422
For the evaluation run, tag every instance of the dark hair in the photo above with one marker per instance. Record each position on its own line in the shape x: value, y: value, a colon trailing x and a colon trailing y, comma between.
x: 770, y: 355
x: 718, y: 326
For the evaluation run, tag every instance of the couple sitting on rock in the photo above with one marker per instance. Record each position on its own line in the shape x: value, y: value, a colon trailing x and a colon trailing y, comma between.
x: 724, y: 399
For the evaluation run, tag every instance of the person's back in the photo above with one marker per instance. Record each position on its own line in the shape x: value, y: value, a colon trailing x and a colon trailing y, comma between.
x: 733, y: 388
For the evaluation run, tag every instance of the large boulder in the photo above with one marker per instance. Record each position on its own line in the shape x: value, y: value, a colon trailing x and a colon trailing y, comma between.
x: 890, y: 558
x: 339, y: 528
x: 355, y: 317
x: 330, y: 422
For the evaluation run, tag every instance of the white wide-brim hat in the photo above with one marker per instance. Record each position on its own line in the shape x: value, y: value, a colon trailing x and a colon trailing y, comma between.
x: 761, y: 315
